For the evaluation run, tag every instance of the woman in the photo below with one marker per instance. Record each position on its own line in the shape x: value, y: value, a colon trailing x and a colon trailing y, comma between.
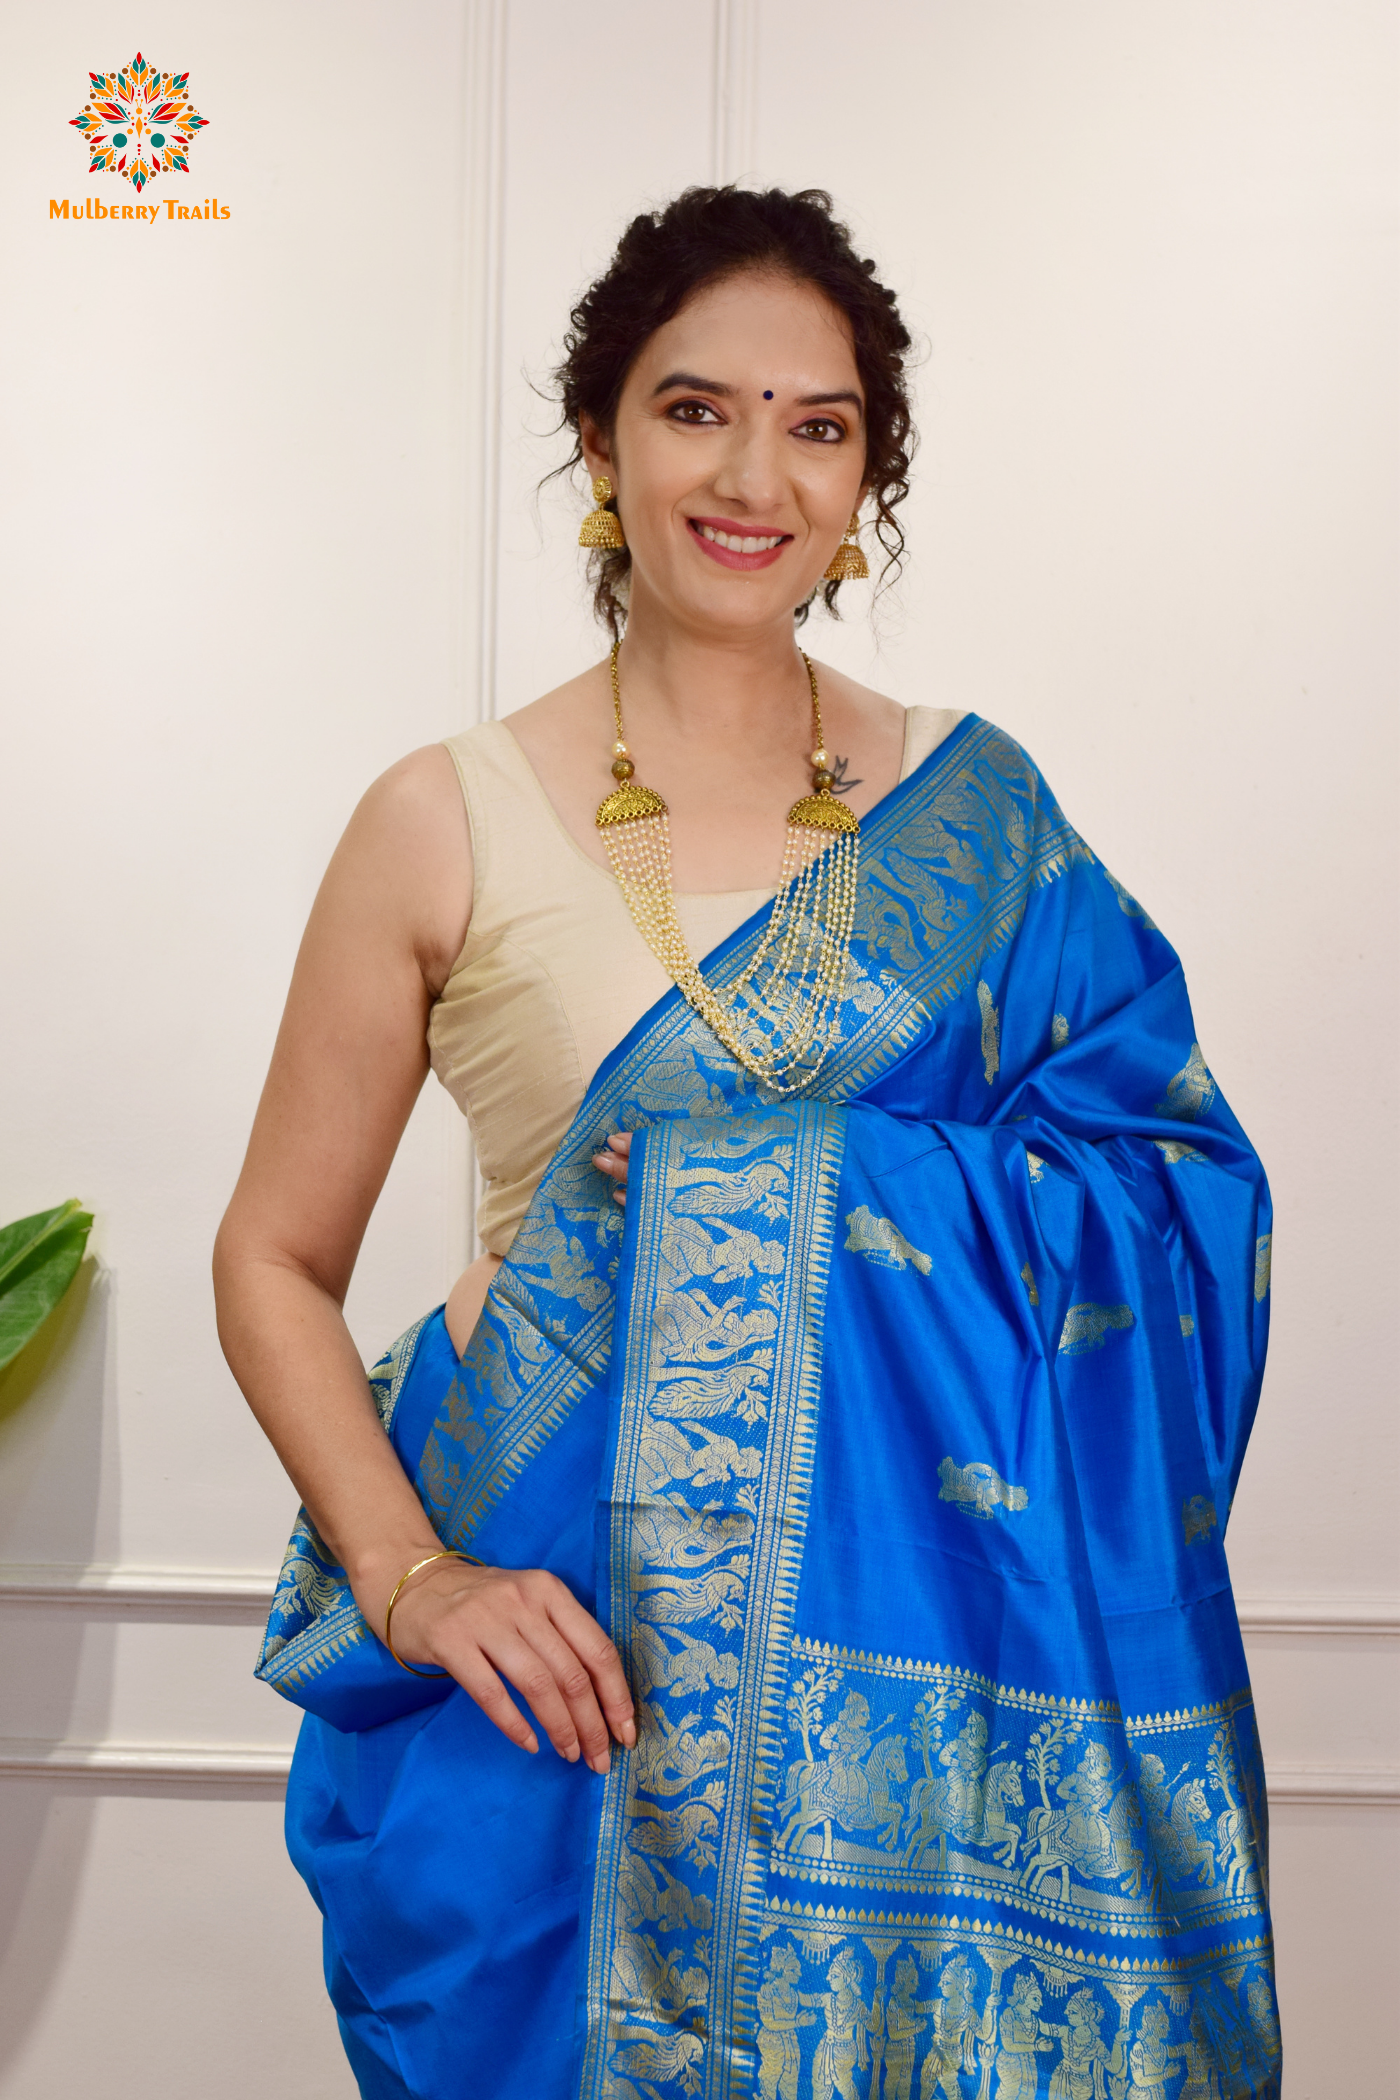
x: 871, y: 1322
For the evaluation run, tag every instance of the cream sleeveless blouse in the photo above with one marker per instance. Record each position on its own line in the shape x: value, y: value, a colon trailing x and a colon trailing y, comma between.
x: 554, y: 973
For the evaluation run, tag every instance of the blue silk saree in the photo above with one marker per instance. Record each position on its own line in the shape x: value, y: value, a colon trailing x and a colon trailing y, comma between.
x: 891, y: 1431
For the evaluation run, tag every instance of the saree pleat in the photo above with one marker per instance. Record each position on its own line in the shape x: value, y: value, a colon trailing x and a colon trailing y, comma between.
x: 892, y: 1433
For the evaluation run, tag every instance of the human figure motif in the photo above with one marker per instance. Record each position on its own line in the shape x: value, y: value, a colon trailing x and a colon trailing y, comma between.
x: 1080, y: 2073
x: 957, y: 2029
x: 1152, y: 1786
x: 842, y: 2049
x: 847, y: 1740
x: 1263, y: 2016
x: 1150, y: 2062
x: 1199, y: 2052
x: 1024, y: 2036
x: 902, y: 2024
x: 781, y: 2011
x: 965, y: 1760
x: 1087, y: 1793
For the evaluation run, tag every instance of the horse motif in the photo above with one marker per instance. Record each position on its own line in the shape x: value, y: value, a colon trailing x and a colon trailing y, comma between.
x: 930, y: 1820
x: 1235, y: 1852
x: 854, y: 1795
x: 1179, y: 1849
x: 1092, y: 1833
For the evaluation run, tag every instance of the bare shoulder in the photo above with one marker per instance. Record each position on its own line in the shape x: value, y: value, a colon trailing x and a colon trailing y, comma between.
x: 404, y: 864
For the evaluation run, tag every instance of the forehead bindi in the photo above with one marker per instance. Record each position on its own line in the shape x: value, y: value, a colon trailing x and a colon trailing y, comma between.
x: 765, y: 337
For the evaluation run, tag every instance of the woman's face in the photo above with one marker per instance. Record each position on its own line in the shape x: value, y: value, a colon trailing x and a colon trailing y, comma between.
x: 738, y: 454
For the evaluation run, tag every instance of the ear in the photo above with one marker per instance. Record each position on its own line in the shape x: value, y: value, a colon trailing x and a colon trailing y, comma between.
x: 596, y: 447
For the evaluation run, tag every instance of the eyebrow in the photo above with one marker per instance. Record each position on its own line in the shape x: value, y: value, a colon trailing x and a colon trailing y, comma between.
x: 718, y: 386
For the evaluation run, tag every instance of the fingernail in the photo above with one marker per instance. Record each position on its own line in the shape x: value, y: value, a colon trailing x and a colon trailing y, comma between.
x: 532, y: 1745
x: 628, y: 1732
x: 602, y: 1764
x: 572, y: 1753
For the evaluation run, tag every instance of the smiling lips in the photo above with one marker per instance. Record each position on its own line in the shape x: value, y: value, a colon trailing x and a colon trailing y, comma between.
x: 729, y: 544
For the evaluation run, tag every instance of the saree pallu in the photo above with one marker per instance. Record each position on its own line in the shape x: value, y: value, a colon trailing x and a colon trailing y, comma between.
x: 891, y: 1432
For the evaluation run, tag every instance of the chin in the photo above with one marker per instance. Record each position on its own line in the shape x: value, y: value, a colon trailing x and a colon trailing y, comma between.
x: 744, y: 603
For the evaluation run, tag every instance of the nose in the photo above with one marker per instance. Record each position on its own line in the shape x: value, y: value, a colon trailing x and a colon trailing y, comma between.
x: 750, y: 473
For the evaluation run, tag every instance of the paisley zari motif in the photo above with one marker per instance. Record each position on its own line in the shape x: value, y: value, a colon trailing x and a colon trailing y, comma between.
x: 886, y: 1432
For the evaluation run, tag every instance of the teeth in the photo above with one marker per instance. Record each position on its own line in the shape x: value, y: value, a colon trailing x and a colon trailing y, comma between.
x: 738, y: 545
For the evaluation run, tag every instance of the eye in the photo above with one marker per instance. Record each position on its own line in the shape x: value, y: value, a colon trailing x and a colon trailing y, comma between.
x: 696, y: 413
x: 823, y: 430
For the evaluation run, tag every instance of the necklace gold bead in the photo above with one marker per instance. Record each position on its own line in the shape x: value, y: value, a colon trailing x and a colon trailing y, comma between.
x: 783, y: 1021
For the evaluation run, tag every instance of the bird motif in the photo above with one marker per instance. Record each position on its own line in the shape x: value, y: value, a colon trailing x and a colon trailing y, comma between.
x: 691, y: 1827
x: 666, y: 1455
x: 674, y: 1602
x: 305, y: 1587
x: 690, y: 1670
x: 669, y: 2063
x: 695, y: 1327
x: 670, y: 1758
x: 719, y: 1389
x: 670, y: 1534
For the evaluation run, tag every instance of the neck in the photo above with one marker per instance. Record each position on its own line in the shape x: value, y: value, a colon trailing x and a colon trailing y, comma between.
x: 743, y: 690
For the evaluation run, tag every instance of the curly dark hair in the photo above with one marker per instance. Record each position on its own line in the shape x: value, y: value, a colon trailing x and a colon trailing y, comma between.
x: 701, y: 238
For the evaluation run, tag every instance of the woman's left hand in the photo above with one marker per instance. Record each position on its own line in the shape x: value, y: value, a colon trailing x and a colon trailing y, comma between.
x: 612, y: 1161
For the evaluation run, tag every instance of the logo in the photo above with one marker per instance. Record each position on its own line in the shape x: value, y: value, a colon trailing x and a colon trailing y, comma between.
x: 138, y: 123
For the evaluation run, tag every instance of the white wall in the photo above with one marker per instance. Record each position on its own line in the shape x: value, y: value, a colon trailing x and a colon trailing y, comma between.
x: 270, y: 521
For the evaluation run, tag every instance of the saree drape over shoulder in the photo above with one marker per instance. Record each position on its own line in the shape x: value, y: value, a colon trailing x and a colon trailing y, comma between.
x: 891, y: 1431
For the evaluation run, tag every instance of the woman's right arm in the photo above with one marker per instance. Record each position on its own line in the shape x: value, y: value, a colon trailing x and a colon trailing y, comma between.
x: 351, y: 1055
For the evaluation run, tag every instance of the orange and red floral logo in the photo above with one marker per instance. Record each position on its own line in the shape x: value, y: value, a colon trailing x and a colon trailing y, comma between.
x: 138, y: 123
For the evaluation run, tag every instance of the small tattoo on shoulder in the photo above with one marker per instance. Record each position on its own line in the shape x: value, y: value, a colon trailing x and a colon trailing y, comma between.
x: 839, y: 783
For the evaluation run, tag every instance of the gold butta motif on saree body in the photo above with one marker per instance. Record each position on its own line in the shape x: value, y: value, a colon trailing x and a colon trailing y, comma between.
x: 881, y: 1242
x: 978, y: 1488
x: 779, y: 1016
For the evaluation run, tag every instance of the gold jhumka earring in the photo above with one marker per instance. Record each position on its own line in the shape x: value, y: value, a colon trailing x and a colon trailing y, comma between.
x: 791, y: 1019
x: 848, y: 564
x: 602, y: 527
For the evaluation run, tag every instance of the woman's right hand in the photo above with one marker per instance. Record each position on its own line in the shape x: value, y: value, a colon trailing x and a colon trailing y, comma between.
x: 526, y: 1626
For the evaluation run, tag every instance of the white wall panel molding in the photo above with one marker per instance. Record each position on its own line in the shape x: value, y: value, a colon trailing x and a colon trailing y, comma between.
x: 1376, y: 1617
x: 195, y: 1594
x: 483, y: 264
x: 735, y: 135
x: 102, y: 1764
x: 217, y: 1592
x: 222, y: 1764
x: 1334, y: 1786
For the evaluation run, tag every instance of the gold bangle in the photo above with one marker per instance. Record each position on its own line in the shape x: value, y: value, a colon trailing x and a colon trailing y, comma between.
x: 447, y: 1553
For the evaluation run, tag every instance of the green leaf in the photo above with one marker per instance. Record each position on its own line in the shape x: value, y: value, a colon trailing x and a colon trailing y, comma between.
x: 39, y: 1258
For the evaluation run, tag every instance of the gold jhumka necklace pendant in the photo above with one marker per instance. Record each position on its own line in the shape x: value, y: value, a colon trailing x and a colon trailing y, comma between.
x: 779, y: 1017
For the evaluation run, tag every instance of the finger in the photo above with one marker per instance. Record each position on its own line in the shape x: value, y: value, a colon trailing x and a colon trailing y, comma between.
x: 596, y: 1652
x: 525, y: 1668
x: 620, y: 1141
x: 476, y: 1676
x: 576, y: 1686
